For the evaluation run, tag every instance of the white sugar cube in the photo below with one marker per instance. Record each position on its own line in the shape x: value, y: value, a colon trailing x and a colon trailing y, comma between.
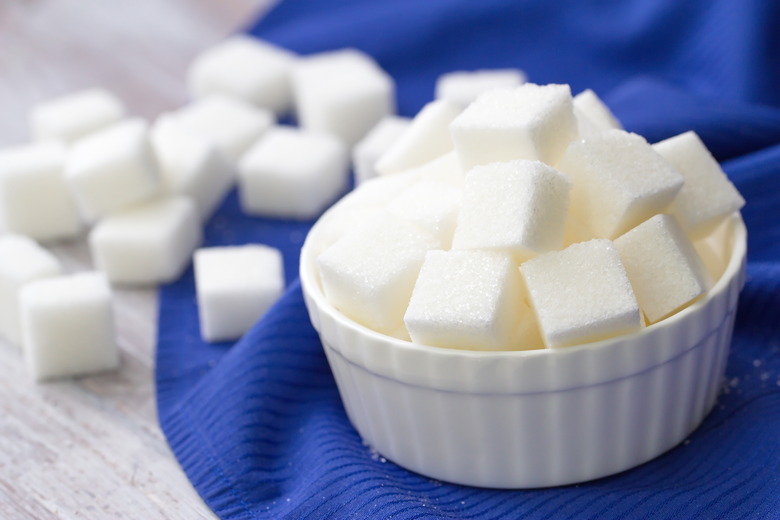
x: 592, y: 114
x: 73, y: 116
x: 34, y: 199
x: 235, y: 286
x: 377, y: 192
x: 427, y: 138
x: 21, y: 261
x: 151, y: 243
x: 369, y: 275
x: 526, y: 122
x: 581, y: 294
x: 708, y: 196
x: 343, y: 92
x: 247, y: 68
x: 191, y: 166
x: 466, y: 299
x: 68, y: 326
x: 618, y: 181
x: 335, y: 224
x: 367, y: 152
x: 516, y: 206
x: 464, y: 86
x: 229, y: 123
x: 113, y: 169
x: 431, y: 205
x: 445, y: 169
x: 665, y: 271
x: 715, y: 248
x: 292, y: 173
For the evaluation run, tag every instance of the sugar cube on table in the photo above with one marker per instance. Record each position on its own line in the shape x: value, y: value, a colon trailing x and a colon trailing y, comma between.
x: 34, y: 198
x: 148, y: 244
x: 68, y: 326
x: 112, y: 169
x: 235, y: 286
x: 229, y: 123
x: 665, y: 271
x: 190, y: 165
x: 431, y: 205
x: 73, y: 116
x: 342, y: 92
x: 247, y: 68
x: 708, y: 195
x: 371, y: 147
x: 516, y: 206
x: 467, y: 300
x: 527, y: 122
x: 369, y: 274
x: 464, y: 86
x: 292, y: 173
x: 618, y: 181
x: 22, y: 260
x: 581, y: 294
x: 427, y: 138
x: 592, y: 114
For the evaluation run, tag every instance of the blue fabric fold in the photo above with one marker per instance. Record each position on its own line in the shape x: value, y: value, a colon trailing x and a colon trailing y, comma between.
x: 258, y: 426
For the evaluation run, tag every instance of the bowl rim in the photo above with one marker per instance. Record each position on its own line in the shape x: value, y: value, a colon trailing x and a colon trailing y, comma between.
x: 737, y: 242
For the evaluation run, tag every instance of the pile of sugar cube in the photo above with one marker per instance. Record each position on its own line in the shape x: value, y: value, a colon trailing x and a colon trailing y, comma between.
x: 517, y: 217
x: 141, y: 192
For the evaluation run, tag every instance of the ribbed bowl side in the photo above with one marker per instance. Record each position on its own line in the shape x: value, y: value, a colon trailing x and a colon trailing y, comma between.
x: 535, y: 439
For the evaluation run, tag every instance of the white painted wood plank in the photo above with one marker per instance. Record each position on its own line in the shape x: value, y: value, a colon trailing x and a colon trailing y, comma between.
x: 91, y: 447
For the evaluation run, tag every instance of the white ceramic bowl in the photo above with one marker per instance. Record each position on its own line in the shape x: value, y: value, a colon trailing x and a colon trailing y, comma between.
x: 530, y: 419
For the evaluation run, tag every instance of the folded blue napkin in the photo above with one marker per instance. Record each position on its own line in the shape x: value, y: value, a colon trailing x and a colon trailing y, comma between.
x: 258, y: 426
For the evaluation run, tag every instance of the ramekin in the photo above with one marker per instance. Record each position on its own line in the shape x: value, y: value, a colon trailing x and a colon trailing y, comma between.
x: 530, y: 419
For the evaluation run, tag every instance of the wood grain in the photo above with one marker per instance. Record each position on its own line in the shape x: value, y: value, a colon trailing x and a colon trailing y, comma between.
x: 91, y: 447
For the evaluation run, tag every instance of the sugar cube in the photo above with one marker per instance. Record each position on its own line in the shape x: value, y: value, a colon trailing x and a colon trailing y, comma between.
x: 342, y: 92
x: 34, y: 199
x: 431, y: 205
x: 581, y: 294
x: 148, y: 244
x: 292, y: 173
x: 73, y: 116
x: 235, y: 286
x: 22, y: 260
x: 379, y: 190
x: 335, y: 224
x: 427, y: 138
x: 68, y: 326
x: 444, y: 169
x: 592, y: 114
x: 369, y: 275
x: 467, y: 300
x: 708, y: 195
x: 191, y: 166
x: 367, y: 152
x: 112, y: 169
x: 526, y: 122
x: 229, y: 123
x: 618, y: 181
x: 715, y: 248
x: 517, y: 206
x: 250, y: 69
x: 665, y: 271
x: 464, y: 86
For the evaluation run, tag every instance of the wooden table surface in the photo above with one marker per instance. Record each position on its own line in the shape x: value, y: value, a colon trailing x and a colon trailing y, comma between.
x: 91, y: 447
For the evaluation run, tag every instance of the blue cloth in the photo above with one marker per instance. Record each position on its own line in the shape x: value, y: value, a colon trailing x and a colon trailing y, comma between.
x: 258, y: 426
